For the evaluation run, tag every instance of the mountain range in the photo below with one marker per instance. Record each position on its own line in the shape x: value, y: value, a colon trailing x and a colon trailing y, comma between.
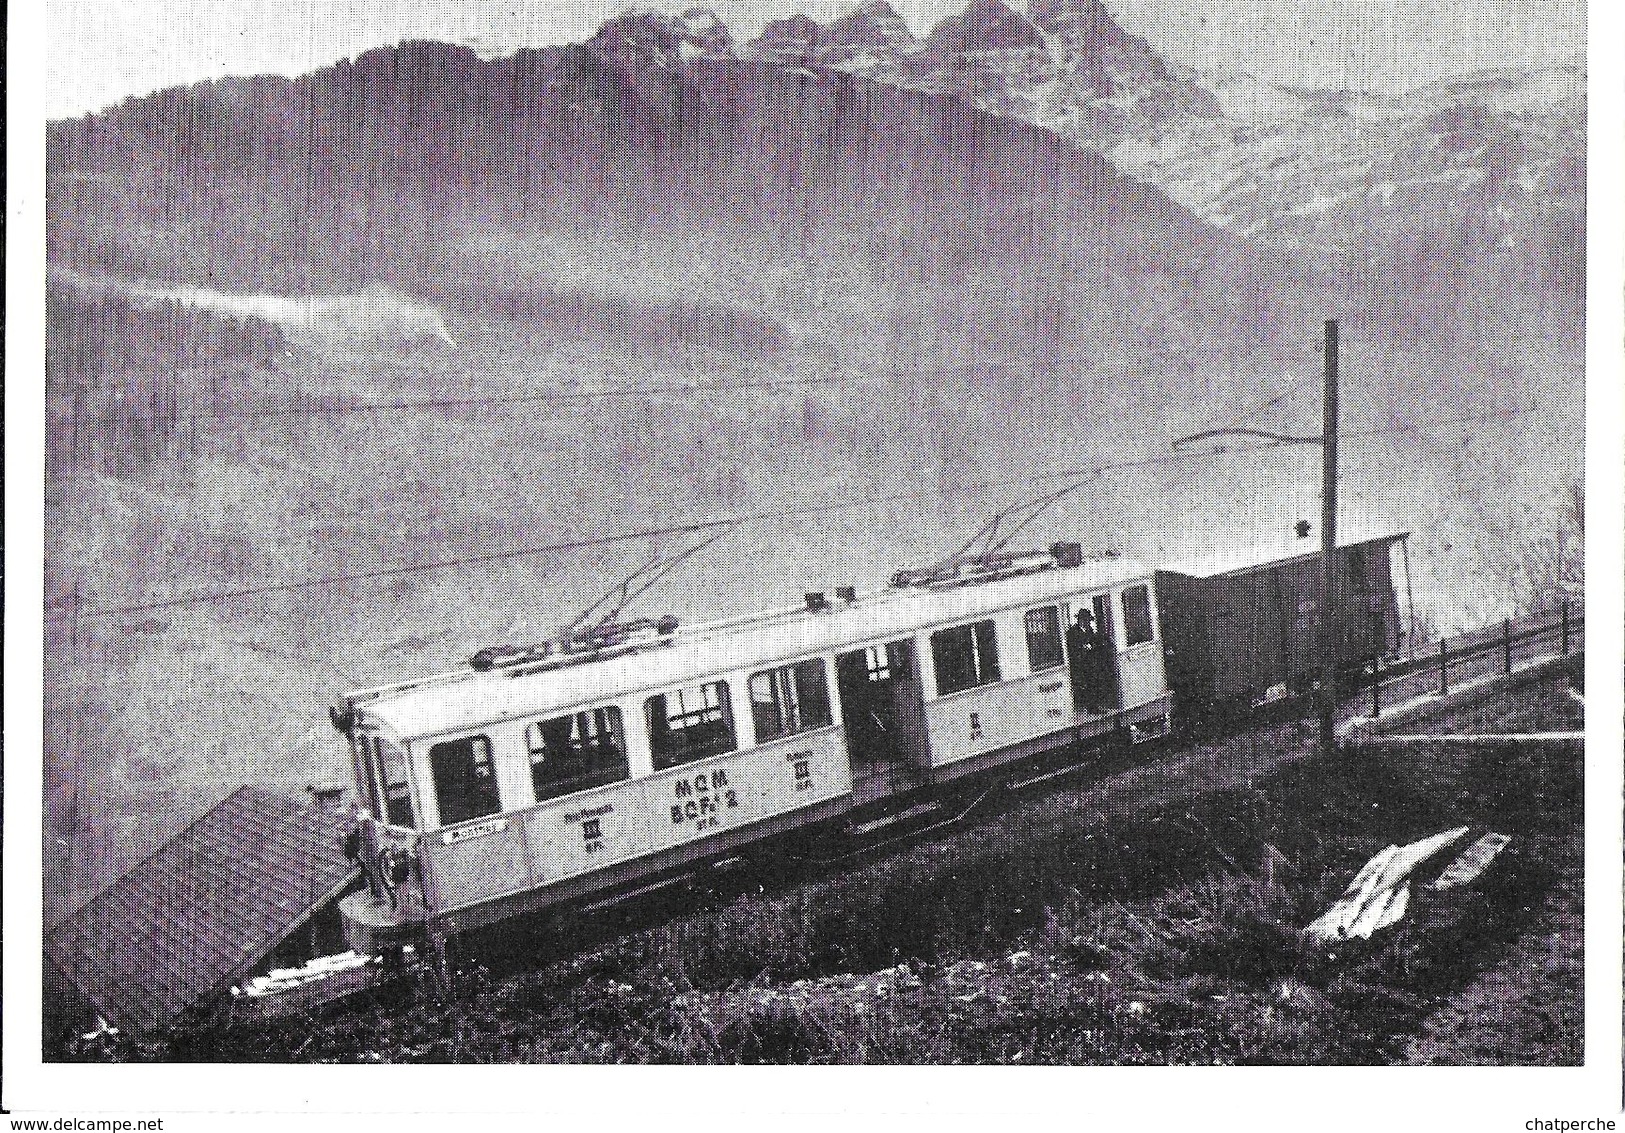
x: 873, y: 220
x: 1489, y: 166
x: 998, y: 122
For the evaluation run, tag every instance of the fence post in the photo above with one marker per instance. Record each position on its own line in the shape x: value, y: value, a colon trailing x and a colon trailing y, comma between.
x: 1506, y: 645
x: 1444, y: 668
x: 1565, y: 627
x: 1376, y: 688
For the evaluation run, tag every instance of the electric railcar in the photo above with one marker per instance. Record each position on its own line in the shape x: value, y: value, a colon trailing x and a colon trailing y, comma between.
x: 541, y: 775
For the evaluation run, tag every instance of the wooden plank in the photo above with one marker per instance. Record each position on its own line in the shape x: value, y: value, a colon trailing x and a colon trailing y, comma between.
x: 1473, y: 862
x: 1380, y: 892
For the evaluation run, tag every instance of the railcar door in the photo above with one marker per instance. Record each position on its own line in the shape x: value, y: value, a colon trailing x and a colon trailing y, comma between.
x: 1284, y: 617
x: 384, y: 778
x: 1301, y: 616
x: 1361, y: 627
x: 883, y: 711
x: 1092, y: 659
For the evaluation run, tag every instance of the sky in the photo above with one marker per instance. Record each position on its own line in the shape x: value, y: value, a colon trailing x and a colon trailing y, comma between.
x: 100, y: 51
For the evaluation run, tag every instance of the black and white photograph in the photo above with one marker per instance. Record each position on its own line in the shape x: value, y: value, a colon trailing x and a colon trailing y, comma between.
x: 812, y: 532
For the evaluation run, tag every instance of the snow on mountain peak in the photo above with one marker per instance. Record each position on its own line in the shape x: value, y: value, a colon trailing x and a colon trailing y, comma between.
x: 1506, y: 91
x: 645, y: 34
x: 1300, y: 168
x: 873, y: 23
x: 1084, y: 19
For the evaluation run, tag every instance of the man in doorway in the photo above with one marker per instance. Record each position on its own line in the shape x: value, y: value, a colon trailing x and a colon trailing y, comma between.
x: 1083, y: 650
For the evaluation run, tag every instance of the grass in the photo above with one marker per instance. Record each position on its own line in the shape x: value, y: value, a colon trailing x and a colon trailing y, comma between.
x: 1546, y: 707
x: 1152, y: 917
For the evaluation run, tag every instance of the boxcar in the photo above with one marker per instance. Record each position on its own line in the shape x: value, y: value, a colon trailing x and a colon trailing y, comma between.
x: 1244, y: 625
x: 492, y: 794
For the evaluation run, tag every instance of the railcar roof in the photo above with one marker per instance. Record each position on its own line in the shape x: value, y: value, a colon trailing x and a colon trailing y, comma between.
x: 1277, y: 546
x: 472, y: 699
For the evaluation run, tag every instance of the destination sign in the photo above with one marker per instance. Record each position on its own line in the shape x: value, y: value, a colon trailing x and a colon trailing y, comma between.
x: 475, y: 830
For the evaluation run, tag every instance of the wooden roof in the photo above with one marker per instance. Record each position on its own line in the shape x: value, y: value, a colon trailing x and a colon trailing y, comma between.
x: 206, y: 908
x: 1271, y: 549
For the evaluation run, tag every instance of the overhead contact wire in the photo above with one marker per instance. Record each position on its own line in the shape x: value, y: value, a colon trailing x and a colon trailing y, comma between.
x: 825, y: 507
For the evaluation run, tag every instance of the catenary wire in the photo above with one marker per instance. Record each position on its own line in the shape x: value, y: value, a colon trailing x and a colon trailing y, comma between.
x: 57, y: 610
x: 441, y: 403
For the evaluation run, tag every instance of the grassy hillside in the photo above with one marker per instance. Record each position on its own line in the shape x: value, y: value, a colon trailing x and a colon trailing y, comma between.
x: 1150, y: 916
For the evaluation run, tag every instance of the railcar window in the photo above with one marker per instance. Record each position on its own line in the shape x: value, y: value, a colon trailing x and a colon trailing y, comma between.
x: 1137, y: 626
x: 965, y: 657
x: 576, y: 752
x: 465, y: 779
x: 899, y: 660
x: 689, y: 724
x: 792, y: 699
x: 391, y: 762
x: 366, y: 770
x: 1043, y: 638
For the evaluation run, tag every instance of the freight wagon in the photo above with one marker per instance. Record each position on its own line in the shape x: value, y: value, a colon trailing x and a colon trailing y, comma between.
x: 1243, y: 624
